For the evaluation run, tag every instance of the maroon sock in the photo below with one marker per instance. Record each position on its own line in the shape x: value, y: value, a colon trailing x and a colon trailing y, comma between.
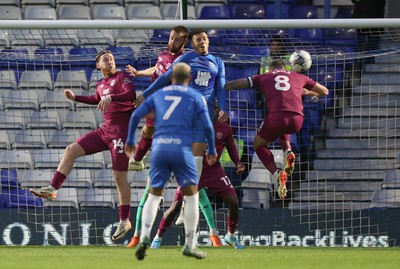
x: 124, y: 212
x: 143, y: 146
x: 267, y: 159
x: 164, y: 225
x: 58, y: 180
x: 232, y: 224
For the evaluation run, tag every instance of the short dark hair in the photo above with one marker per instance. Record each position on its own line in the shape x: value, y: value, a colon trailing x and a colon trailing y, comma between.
x: 196, y: 32
x: 277, y: 64
x: 181, y: 29
x: 101, y: 53
x: 277, y: 38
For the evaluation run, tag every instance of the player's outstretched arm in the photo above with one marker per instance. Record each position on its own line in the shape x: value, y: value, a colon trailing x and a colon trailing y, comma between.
x: 139, y: 73
x: 318, y: 90
x: 242, y: 83
x: 69, y: 95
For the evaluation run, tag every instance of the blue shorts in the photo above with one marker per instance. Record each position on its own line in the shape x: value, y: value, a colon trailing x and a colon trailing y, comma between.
x: 163, y: 162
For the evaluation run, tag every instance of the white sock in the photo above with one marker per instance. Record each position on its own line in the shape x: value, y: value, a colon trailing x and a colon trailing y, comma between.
x: 191, y: 219
x: 287, y: 151
x: 199, y: 165
x: 149, y: 214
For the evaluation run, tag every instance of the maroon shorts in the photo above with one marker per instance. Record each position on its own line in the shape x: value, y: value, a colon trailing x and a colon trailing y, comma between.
x: 216, y: 181
x: 149, y: 122
x: 107, y: 138
x: 277, y: 124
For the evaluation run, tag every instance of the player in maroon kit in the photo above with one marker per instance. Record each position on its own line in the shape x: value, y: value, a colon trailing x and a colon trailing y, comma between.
x: 283, y: 92
x: 177, y: 41
x: 216, y: 181
x: 114, y: 96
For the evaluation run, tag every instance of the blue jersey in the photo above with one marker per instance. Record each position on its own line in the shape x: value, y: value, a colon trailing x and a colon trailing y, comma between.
x: 208, y: 77
x: 176, y: 109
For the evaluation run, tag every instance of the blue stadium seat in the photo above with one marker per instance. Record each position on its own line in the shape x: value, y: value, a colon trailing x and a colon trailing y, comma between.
x: 123, y: 55
x: 303, y: 12
x: 83, y: 52
x: 341, y: 36
x: 344, y: 12
x: 248, y: 136
x: 215, y: 13
x: 233, y: 115
x: 310, y: 35
x: 160, y: 36
x: 141, y: 83
x: 9, y: 179
x: 46, y: 53
x: 284, y: 11
x: 23, y: 199
x: 242, y: 37
x: 248, y: 11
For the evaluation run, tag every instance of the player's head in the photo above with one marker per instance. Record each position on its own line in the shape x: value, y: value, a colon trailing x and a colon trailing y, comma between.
x: 277, y: 64
x: 199, y: 41
x: 180, y: 74
x: 277, y: 47
x: 178, y: 38
x: 105, y: 62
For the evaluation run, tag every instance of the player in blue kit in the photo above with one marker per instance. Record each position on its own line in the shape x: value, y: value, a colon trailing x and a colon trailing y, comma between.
x: 176, y: 108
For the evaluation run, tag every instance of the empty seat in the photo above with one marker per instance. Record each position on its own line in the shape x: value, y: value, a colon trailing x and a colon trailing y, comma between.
x: 38, y: 2
x: 344, y: 12
x: 40, y: 13
x: 79, y: 178
x: 66, y: 197
x: 8, y: 179
x: 138, y: 179
x: 56, y: 99
x: 30, y: 139
x: 392, y: 179
x: 25, y: 37
x: 45, y: 119
x: 255, y: 198
x: 47, y: 158
x: 104, y: 179
x: 94, y: 78
x: 123, y: 55
x: 92, y: 161
x: 49, y: 53
x: 74, y: 12
x: 271, y: 12
x: 131, y: 37
x: 67, y: 79
x: 106, y: 2
x: 310, y: 35
x: 144, y: 13
x: 72, y: 2
x: 215, y: 13
x: 60, y: 37
x: 62, y: 138
x: 10, y: 13
x: 36, y: 79
x: 303, y: 12
x: 23, y: 99
x: 136, y: 196
x: 95, y: 37
x: 386, y: 198
x: 36, y: 178
x: 171, y: 12
x: 98, y: 198
x: 109, y: 13
x: 12, y: 119
x: 20, y: 198
x: 247, y: 11
x: 16, y: 3
x: 8, y: 80
x: 80, y: 120
x: 16, y: 159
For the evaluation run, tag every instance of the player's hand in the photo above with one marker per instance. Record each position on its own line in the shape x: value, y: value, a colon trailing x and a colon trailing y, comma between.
x: 138, y: 101
x: 240, y: 168
x: 211, y: 159
x: 129, y: 150
x: 103, y: 104
x: 69, y: 94
x: 131, y: 70
x: 222, y: 116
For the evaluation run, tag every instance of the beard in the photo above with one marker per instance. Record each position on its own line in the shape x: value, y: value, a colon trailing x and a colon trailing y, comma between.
x: 173, y: 49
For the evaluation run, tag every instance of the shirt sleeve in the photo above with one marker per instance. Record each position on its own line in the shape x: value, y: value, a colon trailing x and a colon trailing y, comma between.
x: 139, y: 113
x: 91, y: 99
x: 231, y: 147
x: 127, y: 90
x: 160, y: 82
x: 220, y: 86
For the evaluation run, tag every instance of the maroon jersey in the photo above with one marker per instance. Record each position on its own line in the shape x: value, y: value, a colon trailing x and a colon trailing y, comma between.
x: 164, y: 62
x: 282, y: 89
x: 122, y: 92
x: 223, y: 138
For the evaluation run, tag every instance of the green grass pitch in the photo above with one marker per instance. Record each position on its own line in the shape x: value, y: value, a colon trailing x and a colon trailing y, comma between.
x: 98, y: 257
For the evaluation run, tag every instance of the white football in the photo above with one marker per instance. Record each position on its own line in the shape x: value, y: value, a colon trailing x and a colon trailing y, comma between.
x: 300, y: 60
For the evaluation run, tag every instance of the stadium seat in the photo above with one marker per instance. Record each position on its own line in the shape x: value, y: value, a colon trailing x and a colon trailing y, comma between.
x: 66, y: 197
x: 10, y: 13
x: 12, y: 119
x: 56, y: 99
x: 270, y: 11
x: 92, y: 161
x: 136, y: 196
x: 303, y: 12
x: 98, y: 198
x: 21, y: 198
x: 44, y: 119
x: 16, y: 3
x: 341, y: 36
x: 35, y: 79
x: 255, y: 198
x: 47, y: 158
x: 72, y: 2
x: 144, y: 13
x: 49, y: 53
x: 103, y: 178
x: 233, y: 115
x: 80, y: 120
x: 29, y: 139
x: 392, y: 179
x: 16, y: 159
x: 215, y: 13
x: 36, y: 178
x: 67, y: 79
x: 94, y: 78
x: 62, y: 38
x: 386, y: 198
x: 169, y: 12
x: 344, y: 12
x: 40, y: 13
x: 25, y: 37
x: 106, y: 2
x: 79, y: 178
x: 109, y: 13
x: 123, y: 55
x: 38, y: 2
x: 247, y: 11
x: 8, y: 79
x: 74, y: 12
x: 138, y: 179
x: 5, y: 142
x: 22, y: 99
x: 95, y: 38
x: 62, y: 138
x: 9, y: 179
x: 310, y: 35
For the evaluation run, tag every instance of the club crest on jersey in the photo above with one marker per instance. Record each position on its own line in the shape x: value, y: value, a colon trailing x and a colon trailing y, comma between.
x: 106, y: 91
x: 219, y: 135
x: 112, y: 83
